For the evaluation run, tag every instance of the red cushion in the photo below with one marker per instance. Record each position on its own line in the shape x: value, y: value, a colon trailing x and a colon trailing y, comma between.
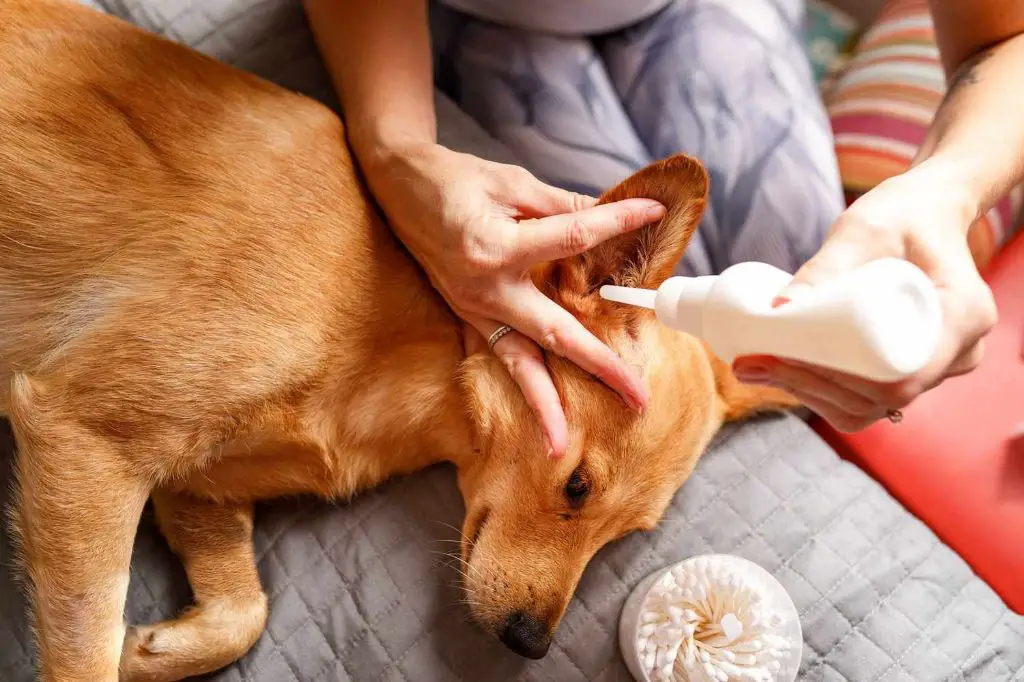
x: 957, y: 458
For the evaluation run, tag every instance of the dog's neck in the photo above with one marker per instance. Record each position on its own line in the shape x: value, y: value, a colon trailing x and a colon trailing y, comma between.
x: 391, y: 403
x: 407, y: 413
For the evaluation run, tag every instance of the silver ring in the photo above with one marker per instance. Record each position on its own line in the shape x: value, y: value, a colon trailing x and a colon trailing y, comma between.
x: 497, y: 335
x: 895, y: 416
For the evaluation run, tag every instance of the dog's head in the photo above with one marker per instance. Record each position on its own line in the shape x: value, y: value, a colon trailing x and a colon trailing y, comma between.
x: 533, y: 523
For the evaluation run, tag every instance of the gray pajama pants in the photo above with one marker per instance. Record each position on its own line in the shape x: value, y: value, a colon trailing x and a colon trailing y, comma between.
x: 725, y: 81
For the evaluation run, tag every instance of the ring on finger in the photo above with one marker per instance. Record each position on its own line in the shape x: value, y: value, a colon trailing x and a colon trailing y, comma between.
x: 894, y: 416
x: 497, y: 335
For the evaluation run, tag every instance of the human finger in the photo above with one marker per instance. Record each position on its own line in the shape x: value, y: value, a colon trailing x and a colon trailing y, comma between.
x: 550, y: 325
x: 532, y: 198
x: 525, y: 364
x: 836, y: 415
x: 569, y: 234
x: 807, y: 379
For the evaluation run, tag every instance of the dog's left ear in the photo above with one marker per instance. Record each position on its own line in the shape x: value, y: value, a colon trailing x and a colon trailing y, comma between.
x: 644, y: 257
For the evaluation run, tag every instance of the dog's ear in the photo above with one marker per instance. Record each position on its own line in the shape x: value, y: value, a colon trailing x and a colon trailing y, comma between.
x: 644, y: 257
x: 739, y: 400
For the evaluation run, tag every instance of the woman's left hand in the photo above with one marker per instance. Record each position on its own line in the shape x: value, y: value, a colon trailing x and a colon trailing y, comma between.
x: 922, y: 216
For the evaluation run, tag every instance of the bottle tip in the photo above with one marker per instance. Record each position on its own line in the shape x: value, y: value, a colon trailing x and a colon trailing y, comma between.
x: 642, y: 298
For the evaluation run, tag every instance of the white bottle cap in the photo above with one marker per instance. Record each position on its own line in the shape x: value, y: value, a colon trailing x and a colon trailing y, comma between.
x: 680, y: 303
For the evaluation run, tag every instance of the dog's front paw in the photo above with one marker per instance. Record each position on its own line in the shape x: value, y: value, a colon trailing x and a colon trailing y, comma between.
x: 143, y: 656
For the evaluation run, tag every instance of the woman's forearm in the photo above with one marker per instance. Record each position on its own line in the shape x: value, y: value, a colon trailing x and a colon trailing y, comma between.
x: 378, y: 55
x: 976, y: 141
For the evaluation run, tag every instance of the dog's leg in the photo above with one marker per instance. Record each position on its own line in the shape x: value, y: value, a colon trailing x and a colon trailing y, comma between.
x: 77, y: 510
x: 214, y: 542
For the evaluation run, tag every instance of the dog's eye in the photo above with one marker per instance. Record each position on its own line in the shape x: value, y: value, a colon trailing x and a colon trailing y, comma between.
x: 577, y: 488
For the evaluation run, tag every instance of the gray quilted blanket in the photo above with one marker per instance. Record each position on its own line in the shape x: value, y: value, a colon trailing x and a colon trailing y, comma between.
x: 363, y: 591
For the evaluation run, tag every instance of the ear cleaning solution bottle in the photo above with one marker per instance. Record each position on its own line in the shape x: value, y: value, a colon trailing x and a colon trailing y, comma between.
x: 881, y: 321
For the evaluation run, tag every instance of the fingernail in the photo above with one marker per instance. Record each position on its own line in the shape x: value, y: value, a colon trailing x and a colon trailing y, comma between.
x: 632, y: 402
x: 753, y: 374
x: 791, y: 293
x: 549, y: 451
x: 638, y: 395
x: 654, y: 211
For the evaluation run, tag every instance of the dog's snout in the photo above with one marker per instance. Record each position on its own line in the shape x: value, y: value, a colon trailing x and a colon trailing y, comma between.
x: 526, y: 635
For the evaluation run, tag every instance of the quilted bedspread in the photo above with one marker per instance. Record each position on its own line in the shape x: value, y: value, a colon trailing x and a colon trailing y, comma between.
x: 363, y: 591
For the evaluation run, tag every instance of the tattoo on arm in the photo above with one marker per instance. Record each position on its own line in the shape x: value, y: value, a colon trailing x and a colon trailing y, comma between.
x: 967, y: 73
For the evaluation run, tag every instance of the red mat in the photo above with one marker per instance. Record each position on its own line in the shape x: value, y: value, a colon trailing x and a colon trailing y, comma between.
x: 957, y: 458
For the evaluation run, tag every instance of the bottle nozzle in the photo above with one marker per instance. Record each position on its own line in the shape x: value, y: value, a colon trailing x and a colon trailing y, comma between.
x: 642, y: 298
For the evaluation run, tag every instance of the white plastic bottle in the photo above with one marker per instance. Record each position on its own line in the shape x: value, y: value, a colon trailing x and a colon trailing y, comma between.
x: 881, y: 321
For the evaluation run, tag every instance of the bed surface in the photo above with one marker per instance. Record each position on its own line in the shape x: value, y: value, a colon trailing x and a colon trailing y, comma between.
x: 363, y: 591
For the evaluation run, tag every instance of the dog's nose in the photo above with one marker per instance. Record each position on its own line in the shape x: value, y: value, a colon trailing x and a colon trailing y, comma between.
x: 526, y: 635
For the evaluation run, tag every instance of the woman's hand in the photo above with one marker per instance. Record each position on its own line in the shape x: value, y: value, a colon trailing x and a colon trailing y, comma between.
x: 476, y: 228
x: 922, y: 216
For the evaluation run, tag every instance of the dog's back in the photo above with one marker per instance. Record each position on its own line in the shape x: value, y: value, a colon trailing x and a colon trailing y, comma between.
x: 143, y: 186
x: 198, y: 301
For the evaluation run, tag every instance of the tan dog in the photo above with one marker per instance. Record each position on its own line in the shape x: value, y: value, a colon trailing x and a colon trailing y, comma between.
x: 199, y: 303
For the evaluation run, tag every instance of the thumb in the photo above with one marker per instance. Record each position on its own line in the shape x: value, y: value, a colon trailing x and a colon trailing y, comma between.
x: 838, y: 255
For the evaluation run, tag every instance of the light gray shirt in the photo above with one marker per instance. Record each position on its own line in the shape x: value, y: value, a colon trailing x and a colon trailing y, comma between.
x: 566, y: 17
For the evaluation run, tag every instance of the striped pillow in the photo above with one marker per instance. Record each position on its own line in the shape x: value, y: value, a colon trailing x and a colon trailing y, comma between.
x: 881, y: 107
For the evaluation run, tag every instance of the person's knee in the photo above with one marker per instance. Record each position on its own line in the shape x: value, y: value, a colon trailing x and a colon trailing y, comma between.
x: 782, y: 214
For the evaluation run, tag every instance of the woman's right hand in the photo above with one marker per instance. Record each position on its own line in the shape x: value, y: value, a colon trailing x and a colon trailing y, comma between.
x: 477, y: 227
x: 922, y: 216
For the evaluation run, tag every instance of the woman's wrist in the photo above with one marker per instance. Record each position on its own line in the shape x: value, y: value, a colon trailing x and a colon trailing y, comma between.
x: 380, y: 146
x: 955, y: 185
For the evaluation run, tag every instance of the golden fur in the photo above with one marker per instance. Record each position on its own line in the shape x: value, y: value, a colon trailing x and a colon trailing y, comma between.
x: 200, y: 304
